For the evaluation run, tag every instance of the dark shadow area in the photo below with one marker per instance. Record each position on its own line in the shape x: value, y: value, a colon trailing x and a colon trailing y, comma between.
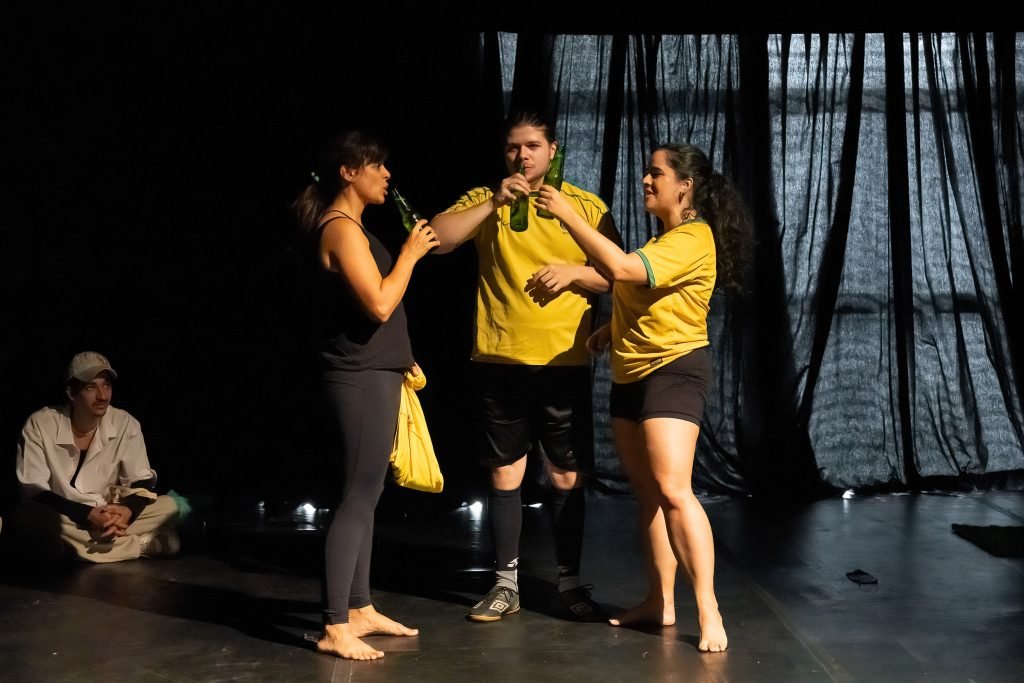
x: 270, y: 619
x: 171, y: 145
x: 1001, y: 541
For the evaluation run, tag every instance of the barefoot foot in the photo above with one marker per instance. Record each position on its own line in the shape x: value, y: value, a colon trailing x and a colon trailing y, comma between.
x: 339, y: 640
x: 367, y: 621
x: 650, y: 611
x: 712, y: 633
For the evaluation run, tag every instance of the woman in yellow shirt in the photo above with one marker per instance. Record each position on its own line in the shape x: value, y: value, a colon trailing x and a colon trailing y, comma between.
x: 661, y: 367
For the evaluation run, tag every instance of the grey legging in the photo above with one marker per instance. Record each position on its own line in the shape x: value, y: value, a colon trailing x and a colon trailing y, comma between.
x: 363, y: 413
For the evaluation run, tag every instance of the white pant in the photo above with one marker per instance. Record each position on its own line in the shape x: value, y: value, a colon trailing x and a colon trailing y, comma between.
x: 86, y: 543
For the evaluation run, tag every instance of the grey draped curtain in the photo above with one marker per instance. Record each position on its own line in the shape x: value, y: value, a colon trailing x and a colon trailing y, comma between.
x: 878, y: 344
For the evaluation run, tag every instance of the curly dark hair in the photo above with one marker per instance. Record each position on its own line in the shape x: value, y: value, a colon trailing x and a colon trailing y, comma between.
x: 716, y: 199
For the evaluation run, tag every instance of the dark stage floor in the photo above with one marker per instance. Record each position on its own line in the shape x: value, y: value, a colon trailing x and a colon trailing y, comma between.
x: 944, y: 608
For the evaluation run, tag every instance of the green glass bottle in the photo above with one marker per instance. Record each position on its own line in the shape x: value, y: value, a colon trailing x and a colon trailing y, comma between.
x: 409, y: 216
x: 519, y: 212
x: 553, y: 177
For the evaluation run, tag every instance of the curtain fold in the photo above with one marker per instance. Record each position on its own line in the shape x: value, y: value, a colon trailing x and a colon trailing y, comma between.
x: 966, y: 211
x: 879, y: 343
x: 900, y: 244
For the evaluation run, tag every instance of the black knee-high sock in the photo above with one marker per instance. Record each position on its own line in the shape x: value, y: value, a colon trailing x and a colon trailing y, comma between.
x: 567, y: 509
x: 506, y: 512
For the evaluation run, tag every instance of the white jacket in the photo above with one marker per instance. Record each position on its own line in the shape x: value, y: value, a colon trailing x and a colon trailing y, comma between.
x: 48, y: 457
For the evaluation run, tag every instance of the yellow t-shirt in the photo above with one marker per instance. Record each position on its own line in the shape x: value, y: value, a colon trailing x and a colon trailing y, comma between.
x: 657, y: 322
x: 510, y: 326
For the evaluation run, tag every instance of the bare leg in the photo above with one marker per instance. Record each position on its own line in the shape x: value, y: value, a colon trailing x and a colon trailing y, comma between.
x: 367, y: 621
x: 671, y: 444
x: 509, y: 477
x: 339, y: 640
x: 563, y: 479
x: 658, y: 607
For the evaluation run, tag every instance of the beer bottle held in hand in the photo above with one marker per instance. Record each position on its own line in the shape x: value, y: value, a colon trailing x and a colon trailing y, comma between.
x: 553, y: 177
x: 519, y: 212
x: 409, y: 216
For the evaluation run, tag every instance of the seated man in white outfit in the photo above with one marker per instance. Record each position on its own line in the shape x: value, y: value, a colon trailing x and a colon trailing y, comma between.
x: 87, y: 487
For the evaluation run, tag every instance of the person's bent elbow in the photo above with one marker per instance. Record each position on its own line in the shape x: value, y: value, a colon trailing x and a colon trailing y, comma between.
x: 381, y: 314
x: 602, y: 284
x: 378, y: 312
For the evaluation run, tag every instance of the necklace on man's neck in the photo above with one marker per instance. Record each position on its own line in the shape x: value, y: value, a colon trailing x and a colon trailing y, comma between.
x: 87, y: 433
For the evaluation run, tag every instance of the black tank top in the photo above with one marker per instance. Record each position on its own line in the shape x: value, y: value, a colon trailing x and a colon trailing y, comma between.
x: 349, y: 339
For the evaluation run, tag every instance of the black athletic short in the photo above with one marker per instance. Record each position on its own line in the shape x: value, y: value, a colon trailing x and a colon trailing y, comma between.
x: 521, y: 406
x: 679, y: 389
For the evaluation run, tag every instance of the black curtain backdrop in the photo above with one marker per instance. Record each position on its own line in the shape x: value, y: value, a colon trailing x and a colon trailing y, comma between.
x: 151, y: 156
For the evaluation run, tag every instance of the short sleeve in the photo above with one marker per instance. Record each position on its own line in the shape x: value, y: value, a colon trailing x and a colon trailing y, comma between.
x: 674, y: 258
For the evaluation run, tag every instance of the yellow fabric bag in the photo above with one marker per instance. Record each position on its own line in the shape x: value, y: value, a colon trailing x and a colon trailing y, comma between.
x: 413, y: 463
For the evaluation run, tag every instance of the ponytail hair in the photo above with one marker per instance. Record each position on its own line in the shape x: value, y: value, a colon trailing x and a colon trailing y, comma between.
x: 308, y: 207
x: 351, y: 149
x: 716, y: 199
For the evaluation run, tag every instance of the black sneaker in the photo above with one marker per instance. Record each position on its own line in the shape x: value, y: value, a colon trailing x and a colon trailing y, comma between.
x: 577, y: 605
x: 501, y: 600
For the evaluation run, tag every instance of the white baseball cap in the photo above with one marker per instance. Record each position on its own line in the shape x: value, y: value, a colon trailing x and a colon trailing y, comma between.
x: 85, y: 366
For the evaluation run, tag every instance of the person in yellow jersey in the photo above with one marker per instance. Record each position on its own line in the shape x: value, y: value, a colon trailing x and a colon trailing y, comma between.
x: 661, y: 365
x: 531, y: 368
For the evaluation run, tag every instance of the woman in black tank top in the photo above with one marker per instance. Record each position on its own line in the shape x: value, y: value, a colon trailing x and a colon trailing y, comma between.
x: 364, y: 352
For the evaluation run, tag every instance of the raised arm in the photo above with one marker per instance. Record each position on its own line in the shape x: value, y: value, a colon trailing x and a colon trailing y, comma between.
x: 604, y: 252
x: 344, y: 249
x: 455, y: 227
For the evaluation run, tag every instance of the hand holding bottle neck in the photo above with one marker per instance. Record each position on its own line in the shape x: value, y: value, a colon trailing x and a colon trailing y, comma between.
x: 533, y: 179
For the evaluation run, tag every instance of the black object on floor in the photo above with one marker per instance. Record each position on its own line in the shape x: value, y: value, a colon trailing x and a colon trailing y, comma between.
x: 861, y: 578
